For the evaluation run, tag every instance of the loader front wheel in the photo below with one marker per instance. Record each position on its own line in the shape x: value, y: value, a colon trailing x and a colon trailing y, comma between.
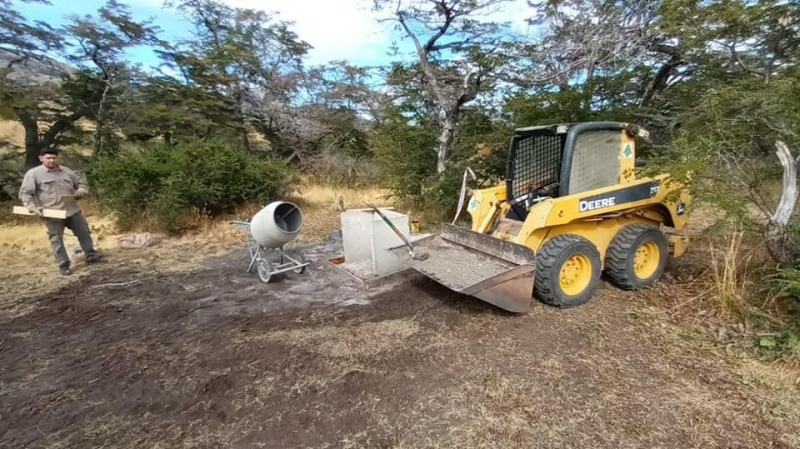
x: 567, y: 271
x: 637, y: 257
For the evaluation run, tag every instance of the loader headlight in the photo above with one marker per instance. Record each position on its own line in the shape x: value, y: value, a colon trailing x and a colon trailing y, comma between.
x: 638, y: 131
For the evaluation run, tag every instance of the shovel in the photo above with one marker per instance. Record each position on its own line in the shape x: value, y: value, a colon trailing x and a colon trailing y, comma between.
x: 411, y: 253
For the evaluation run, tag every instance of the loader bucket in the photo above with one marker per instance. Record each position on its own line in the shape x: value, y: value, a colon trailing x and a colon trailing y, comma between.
x: 493, y: 270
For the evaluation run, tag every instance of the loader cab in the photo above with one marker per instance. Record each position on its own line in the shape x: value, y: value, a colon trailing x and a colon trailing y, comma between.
x: 558, y: 160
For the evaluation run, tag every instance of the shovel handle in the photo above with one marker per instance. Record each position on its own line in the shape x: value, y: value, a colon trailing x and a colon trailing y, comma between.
x: 391, y: 225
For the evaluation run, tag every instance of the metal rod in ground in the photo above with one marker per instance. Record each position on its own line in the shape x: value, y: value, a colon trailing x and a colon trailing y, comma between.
x: 399, y: 234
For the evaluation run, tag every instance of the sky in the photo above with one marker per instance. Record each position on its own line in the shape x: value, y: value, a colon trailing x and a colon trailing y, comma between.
x: 337, y: 29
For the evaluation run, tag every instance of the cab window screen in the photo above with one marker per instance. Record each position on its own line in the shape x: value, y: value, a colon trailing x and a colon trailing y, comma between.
x: 595, y: 161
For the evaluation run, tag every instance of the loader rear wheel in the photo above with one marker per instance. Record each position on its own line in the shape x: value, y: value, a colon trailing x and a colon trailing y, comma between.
x: 567, y: 271
x: 637, y: 257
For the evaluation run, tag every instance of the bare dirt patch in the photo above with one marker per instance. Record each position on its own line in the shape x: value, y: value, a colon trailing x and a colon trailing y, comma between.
x: 207, y: 356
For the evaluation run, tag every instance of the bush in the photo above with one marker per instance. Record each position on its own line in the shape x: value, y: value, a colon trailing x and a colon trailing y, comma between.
x: 406, y: 154
x: 11, y: 172
x: 163, y: 182
x: 342, y: 170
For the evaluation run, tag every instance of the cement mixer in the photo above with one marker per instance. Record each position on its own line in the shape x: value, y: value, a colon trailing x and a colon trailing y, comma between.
x: 268, y: 232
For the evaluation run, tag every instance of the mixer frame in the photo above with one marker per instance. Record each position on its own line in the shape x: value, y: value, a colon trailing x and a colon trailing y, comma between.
x: 270, y: 261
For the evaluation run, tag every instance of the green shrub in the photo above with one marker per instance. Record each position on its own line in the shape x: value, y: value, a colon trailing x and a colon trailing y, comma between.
x: 163, y: 182
x: 11, y: 164
x: 342, y: 170
x: 784, y: 281
x: 405, y: 152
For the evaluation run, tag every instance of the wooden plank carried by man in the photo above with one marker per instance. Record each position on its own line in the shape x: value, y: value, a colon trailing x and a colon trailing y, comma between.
x: 49, y: 213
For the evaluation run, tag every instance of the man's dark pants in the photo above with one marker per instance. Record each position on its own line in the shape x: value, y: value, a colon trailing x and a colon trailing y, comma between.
x: 77, y: 224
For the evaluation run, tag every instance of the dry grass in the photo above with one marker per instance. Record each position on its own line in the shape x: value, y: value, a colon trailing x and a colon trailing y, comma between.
x: 13, y: 132
x: 720, y: 273
x: 729, y: 263
x: 776, y: 376
x: 513, y: 384
x: 29, y: 267
x: 318, y: 204
x: 324, y: 196
x: 363, y: 340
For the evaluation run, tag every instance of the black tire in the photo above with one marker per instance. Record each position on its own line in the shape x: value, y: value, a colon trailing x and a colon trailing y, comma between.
x: 621, y: 256
x: 549, y: 263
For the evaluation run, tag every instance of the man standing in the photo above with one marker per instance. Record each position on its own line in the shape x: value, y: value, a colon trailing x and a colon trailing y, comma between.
x: 52, y: 186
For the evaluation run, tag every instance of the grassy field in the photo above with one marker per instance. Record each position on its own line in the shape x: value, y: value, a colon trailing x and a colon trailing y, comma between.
x: 25, y: 250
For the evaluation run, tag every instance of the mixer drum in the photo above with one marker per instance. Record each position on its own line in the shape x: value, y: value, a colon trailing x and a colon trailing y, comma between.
x: 276, y: 224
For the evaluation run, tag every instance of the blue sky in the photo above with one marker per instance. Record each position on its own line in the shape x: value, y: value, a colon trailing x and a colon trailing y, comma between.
x: 337, y: 29
x: 172, y: 26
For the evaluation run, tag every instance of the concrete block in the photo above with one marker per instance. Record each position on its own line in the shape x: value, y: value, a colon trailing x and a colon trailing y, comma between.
x: 365, y: 237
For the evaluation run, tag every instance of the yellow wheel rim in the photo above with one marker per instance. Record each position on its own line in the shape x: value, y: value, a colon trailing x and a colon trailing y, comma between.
x: 576, y: 273
x: 645, y: 262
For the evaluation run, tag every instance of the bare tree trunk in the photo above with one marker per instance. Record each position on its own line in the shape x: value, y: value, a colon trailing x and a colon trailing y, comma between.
x: 780, y: 246
x: 32, y: 145
x: 659, y: 81
x: 450, y: 98
x: 34, y: 142
x: 469, y: 91
x: 246, y: 139
x: 445, y: 141
x: 101, y: 113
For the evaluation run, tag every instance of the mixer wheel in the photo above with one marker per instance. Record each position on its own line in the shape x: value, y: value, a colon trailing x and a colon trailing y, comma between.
x: 264, y: 269
x: 302, y: 259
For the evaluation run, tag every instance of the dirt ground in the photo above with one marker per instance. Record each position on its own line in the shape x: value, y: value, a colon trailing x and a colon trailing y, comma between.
x: 132, y: 354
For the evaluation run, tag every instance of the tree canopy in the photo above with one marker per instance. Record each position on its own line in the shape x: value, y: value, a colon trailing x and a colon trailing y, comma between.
x: 715, y: 82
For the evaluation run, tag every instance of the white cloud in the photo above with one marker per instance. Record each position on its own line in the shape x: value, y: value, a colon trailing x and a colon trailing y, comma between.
x: 337, y: 29
x: 347, y: 29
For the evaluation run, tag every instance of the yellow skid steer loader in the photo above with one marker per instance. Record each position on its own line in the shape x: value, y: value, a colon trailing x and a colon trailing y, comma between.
x: 571, y: 208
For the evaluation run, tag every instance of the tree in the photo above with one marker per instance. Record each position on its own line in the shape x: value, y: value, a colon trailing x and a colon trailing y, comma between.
x: 22, y: 91
x: 68, y: 93
x: 601, y: 51
x: 738, y: 108
x: 241, y: 59
x: 22, y: 39
x: 97, y: 46
x: 339, y: 101
x: 441, y: 29
x: 162, y: 107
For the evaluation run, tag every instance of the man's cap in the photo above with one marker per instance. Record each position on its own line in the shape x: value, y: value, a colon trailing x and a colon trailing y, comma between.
x: 48, y: 150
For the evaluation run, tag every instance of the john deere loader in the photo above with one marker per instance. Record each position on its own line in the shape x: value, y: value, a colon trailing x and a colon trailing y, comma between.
x: 571, y: 208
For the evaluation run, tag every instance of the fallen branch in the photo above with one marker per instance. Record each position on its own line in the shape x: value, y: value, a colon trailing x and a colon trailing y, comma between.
x: 123, y: 284
x: 705, y: 293
x: 778, y: 242
x: 194, y: 309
